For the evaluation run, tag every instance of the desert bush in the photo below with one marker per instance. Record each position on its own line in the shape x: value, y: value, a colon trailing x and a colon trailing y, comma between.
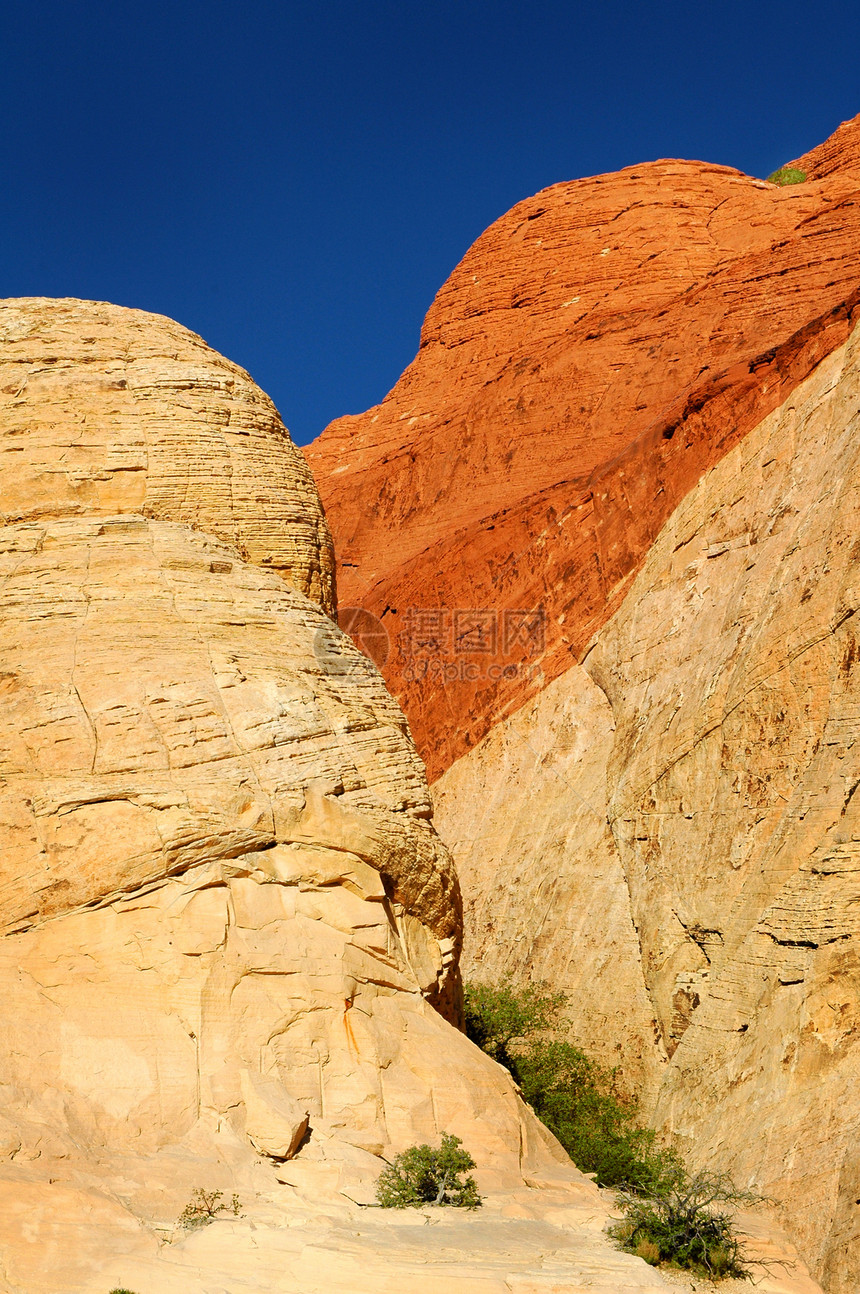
x: 787, y: 175
x: 670, y: 1215
x: 422, y: 1175
x: 580, y: 1104
x: 497, y: 1015
x: 684, y: 1226
x: 122, y: 1291
x: 577, y: 1099
x: 205, y: 1206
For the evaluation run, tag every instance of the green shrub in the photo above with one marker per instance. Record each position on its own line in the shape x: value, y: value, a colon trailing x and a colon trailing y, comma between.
x: 205, y: 1206
x: 787, y: 175
x: 497, y: 1015
x: 576, y: 1098
x: 422, y: 1175
x: 578, y: 1102
x: 122, y: 1291
x: 669, y: 1214
x: 682, y: 1226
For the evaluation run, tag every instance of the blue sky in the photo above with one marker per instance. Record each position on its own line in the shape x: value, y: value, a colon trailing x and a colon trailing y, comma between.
x: 294, y: 181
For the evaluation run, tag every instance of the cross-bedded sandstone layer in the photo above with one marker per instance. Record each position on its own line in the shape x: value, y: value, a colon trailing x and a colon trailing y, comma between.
x: 597, y: 349
x: 175, y: 714
x: 105, y: 410
x: 670, y: 831
x: 166, y: 704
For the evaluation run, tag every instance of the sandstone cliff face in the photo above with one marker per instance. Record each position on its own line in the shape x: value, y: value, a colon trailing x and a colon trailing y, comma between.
x: 167, y: 705
x: 105, y: 410
x: 545, y: 893
x: 225, y: 911
x: 598, y: 348
x: 714, y: 729
x: 181, y: 731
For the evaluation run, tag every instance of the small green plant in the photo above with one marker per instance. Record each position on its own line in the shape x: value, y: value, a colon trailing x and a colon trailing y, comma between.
x: 422, y: 1175
x: 122, y: 1291
x: 205, y: 1206
x: 787, y: 175
x: 683, y: 1226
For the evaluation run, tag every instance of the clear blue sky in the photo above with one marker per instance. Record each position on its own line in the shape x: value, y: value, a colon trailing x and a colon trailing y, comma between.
x: 294, y: 181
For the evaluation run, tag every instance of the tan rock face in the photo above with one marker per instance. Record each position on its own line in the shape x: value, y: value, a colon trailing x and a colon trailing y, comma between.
x: 167, y: 704
x: 170, y: 709
x: 545, y: 894
x: 730, y: 770
x: 233, y: 1002
x: 738, y: 826
x: 105, y: 410
x: 226, y: 917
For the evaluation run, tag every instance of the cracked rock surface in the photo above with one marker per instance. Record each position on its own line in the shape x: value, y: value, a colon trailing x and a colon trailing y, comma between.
x: 671, y: 829
x: 230, y: 933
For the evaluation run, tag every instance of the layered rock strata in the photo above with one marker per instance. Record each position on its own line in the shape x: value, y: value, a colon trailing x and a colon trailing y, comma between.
x: 597, y: 349
x: 168, y: 705
x: 683, y: 807
x: 227, y: 919
x: 841, y: 152
x: 105, y: 411
x: 184, y: 735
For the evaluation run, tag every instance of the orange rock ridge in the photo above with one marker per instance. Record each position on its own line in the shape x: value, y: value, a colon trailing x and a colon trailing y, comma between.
x: 597, y: 349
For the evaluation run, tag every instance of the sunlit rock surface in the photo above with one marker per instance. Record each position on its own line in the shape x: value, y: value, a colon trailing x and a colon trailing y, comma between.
x: 227, y: 920
x: 598, y: 348
x: 105, y: 410
x: 671, y: 832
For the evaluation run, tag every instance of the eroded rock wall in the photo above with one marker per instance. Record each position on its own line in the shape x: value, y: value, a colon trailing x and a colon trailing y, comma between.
x: 166, y: 704
x: 545, y: 894
x: 731, y: 769
x: 230, y: 932
x: 735, y: 694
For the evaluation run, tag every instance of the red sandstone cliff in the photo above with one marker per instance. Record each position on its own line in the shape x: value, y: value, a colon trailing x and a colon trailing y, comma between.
x: 596, y: 350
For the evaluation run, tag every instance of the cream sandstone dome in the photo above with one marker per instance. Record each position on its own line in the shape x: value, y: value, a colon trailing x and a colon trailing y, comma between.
x: 105, y: 410
x: 226, y: 912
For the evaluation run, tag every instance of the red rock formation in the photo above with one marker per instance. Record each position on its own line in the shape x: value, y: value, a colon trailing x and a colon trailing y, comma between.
x: 841, y: 152
x: 595, y: 351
